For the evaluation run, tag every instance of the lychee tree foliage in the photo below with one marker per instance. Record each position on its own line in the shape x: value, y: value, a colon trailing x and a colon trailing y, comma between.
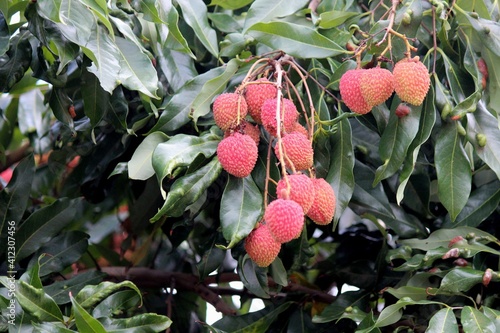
x: 141, y: 189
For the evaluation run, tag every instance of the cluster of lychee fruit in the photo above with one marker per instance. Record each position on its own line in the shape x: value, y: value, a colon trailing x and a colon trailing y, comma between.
x: 242, y: 114
x: 362, y: 89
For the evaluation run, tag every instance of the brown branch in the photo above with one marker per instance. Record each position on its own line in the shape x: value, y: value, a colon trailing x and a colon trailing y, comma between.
x: 12, y: 157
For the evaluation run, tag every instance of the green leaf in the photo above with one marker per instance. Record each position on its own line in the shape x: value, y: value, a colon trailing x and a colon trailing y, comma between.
x: 142, y: 323
x: 493, y: 315
x: 116, y: 304
x: 95, y: 98
x: 51, y: 328
x: 140, y: 165
x: 340, y: 173
x: 77, y: 22
x: 225, y: 22
x: 278, y: 272
x: 443, y: 321
x: 474, y: 321
x: 262, y: 11
x: 211, y: 88
x: 230, y: 4
x: 427, y: 121
x: 89, y: 296
x: 461, y: 279
x: 415, y: 293
x: 195, y: 14
x: 258, y: 321
x: 14, y: 197
x: 296, y: 40
x: 212, y: 259
x: 187, y: 189
x: 254, y: 278
x: 41, y: 226
x: 347, y: 299
x: 482, y: 122
x: 177, y: 110
x: 174, y: 40
x: 136, y: 68
x: 37, y: 303
x: 60, y: 290
x: 49, y: 9
x: 390, y: 315
x: 84, y: 321
x: 397, y: 137
x: 180, y: 151
x: 240, y: 209
x: 453, y: 170
x: 334, y: 18
x: 178, y: 67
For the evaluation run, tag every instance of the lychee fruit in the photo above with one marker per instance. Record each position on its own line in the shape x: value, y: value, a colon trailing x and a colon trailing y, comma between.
x: 301, y: 190
x: 257, y: 94
x: 245, y: 127
x: 237, y: 154
x: 402, y: 110
x: 288, y: 116
x: 298, y: 151
x: 285, y: 219
x: 411, y: 80
x: 299, y: 128
x: 350, y: 91
x: 377, y: 85
x: 261, y: 246
x: 323, y: 207
x: 228, y: 108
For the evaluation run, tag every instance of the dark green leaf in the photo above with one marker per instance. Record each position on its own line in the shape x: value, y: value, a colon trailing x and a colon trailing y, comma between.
x: 187, y: 189
x: 84, y: 321
x: 195, y: 14
x: 37, y: 303
x: 43, y: 225
x: 474, y: 321
x: 211, y: 88
x: 296, y: 40
x: 254, y: 278
x: 116, y: 304
x: 347, y: 299
x: 177, y: 66
x: 90, y: 295
x: 262, y: 11
x: 95, y: 98
x: 340, y: 174
x: 211, y: 260
x: 415, y: 293
x: 278, y: 272
x: 443, y: 321
x: 461, y: 279
x: 240, y: 209
x: 334, y: 18
x: 142, y: 323
x: 60, y: 290
x: 225, y: 22
x: 140, y: 165
x: 230, y: 4
x: 174, y: 40
x: 15, y: 61
x: 51, y: 328
x: 493, y: 315
x: 453, y: 170
x: 62, y: 251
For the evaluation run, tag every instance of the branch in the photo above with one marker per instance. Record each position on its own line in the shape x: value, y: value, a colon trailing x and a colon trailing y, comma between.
x: 12, y: 157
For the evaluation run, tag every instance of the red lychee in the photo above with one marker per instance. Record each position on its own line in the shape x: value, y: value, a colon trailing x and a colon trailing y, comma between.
x: 301, y: 190
x: 297, y: 149
x: 246, y: 128
x: 288, y: 116
x: 237, y: 154
x: 350, y: 91
x: 377, y: 85
x: 285, y: 219
x: 411, y: 80
x: 228, y: 108
x: 256, y: 94
x: 261, y: 246
x: 323, y: 207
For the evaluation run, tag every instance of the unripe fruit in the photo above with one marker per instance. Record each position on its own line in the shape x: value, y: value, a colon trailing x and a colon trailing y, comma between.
x: 261, y: 246
x: 297, y: 149
x: 256, y: 95
x: 483, y: 69
x: 245, y: 128
x: 411, y: 80
x: 402, y: 110
x: 237, y: 154
x: 481, y: 139
x: 301, y: 190
x: 323, y: 207
x: 285, y: 219
x: 350, y: 91
x: 377, y: 85
x: 228, y: 108
x: 288, y: 116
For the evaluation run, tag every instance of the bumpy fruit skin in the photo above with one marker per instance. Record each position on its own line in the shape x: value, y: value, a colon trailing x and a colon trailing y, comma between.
x: 301, y: 190
x: 237, y: 154
x: 411, y: 80
x: 256, y: 95
x: 245, y: 128
x: 298, y: 150
x: 299, y: 128
x: 225, y: 110
x: 261, y: 246
x: 350, y: 91
x: 285, y: 219
x: 377, y: 85
x: 323, y: 207
x: 288, y: 116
